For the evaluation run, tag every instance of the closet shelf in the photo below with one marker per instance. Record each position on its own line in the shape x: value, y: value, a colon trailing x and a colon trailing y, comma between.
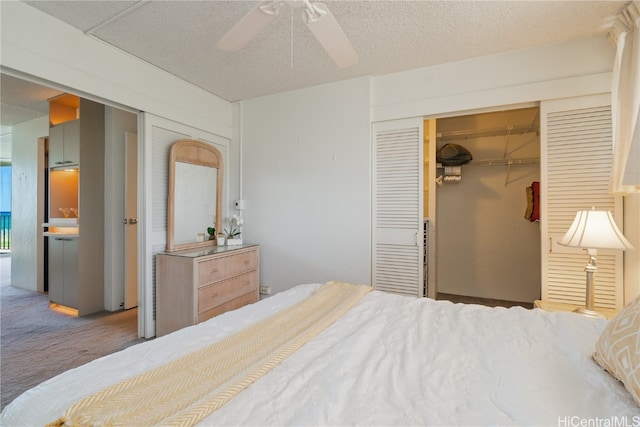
x: 495, y: 162
x: 480, y: 133
x: 507, y: 162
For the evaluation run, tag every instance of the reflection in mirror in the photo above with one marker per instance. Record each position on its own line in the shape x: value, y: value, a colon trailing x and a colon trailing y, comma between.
x: 195, y: 202
x: 195, y: 194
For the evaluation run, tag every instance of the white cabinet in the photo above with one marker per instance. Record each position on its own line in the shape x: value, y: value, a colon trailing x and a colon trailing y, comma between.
x: 63, y: 271
x: 76, y: 267
x: 64, y: 144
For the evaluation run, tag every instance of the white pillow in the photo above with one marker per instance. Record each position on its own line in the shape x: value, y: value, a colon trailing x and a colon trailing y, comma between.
x: 618, y: 348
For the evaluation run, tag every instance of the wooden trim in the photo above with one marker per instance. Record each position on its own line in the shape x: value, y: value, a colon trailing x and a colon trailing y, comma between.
x: 197, y: 153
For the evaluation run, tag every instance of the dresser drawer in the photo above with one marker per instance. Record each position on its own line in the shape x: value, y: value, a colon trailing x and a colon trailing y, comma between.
x: 213, y: 270
x: 210, y: 296
x: 241, y: 301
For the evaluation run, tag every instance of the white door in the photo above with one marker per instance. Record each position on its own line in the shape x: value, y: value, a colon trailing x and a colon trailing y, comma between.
x: 577, y: 149
x: 131, y: 221
x: 397, y: 250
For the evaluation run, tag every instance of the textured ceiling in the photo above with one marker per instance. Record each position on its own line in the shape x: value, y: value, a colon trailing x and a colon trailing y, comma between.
x: 22, y: 101
x: 389, y: 36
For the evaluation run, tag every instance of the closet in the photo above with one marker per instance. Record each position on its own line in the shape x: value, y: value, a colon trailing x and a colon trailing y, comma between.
x: 482, y: 239
x: 458, y: 230
x: 488, y: 241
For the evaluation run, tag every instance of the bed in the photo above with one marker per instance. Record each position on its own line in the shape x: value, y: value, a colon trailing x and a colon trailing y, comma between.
x: 389, y: 360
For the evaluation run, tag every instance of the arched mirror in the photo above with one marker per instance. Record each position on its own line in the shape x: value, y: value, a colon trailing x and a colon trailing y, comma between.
x: 195, y: 194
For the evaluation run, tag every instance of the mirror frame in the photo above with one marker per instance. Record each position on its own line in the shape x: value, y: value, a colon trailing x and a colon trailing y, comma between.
x: 201, y: 154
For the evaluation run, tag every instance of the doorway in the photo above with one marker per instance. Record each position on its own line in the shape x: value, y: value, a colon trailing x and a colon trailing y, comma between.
x: 121, y: 249
x: 460, y: 231
x: 29, y: 266
x: 488, y: 242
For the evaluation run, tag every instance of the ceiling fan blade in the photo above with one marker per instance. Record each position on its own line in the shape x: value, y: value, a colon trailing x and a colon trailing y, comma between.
x: 250, y: 26
x: 324, y: 26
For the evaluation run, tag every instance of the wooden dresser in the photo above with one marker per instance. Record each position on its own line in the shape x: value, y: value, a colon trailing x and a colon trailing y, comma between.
x: 196, y: 285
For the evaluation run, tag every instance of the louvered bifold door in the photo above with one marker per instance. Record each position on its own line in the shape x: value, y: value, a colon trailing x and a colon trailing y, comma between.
x: 397, y: 207
x: 577, y: 154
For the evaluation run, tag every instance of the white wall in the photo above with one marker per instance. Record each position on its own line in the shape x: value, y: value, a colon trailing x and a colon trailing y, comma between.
x: 306, y: 178
x: 5, y: 145
x: 574, y: 68
x: 117, y: 122
x: 234, y: 163
x: 26, y: 223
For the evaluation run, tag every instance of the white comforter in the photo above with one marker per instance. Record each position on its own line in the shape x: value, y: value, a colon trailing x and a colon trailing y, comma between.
x: 390, y: 360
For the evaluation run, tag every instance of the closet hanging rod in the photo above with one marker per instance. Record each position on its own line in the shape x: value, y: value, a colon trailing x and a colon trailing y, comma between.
x: 480, y: 133
x: 495, y: 162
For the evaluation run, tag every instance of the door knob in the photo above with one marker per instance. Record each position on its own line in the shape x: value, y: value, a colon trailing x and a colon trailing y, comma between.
x: 133, y: 221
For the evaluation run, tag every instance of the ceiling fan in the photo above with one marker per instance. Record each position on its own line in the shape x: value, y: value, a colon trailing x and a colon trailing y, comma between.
x: 316, y: 15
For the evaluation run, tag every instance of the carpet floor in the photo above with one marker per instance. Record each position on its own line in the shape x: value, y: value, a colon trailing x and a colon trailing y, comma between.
x: 37, y: 343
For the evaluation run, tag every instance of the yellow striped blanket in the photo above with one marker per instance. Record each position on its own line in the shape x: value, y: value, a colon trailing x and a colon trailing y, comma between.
x: 187, y: 390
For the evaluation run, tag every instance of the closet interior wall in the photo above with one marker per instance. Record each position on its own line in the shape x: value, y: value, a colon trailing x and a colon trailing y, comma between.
x: 486, y: 247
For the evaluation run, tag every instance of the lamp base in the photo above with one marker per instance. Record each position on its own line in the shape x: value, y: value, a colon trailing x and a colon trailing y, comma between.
x: 589, y: 313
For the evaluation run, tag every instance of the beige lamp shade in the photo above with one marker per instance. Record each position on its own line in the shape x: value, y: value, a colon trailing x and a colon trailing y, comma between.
x: 594, y: 230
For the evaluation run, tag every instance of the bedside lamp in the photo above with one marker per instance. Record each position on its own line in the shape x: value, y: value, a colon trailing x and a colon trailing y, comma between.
x: 593, y: 230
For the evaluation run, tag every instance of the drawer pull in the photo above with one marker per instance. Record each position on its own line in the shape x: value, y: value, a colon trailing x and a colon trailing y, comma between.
x: 214, y: 295
x: 213, y: 270
x: 246, y: 261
